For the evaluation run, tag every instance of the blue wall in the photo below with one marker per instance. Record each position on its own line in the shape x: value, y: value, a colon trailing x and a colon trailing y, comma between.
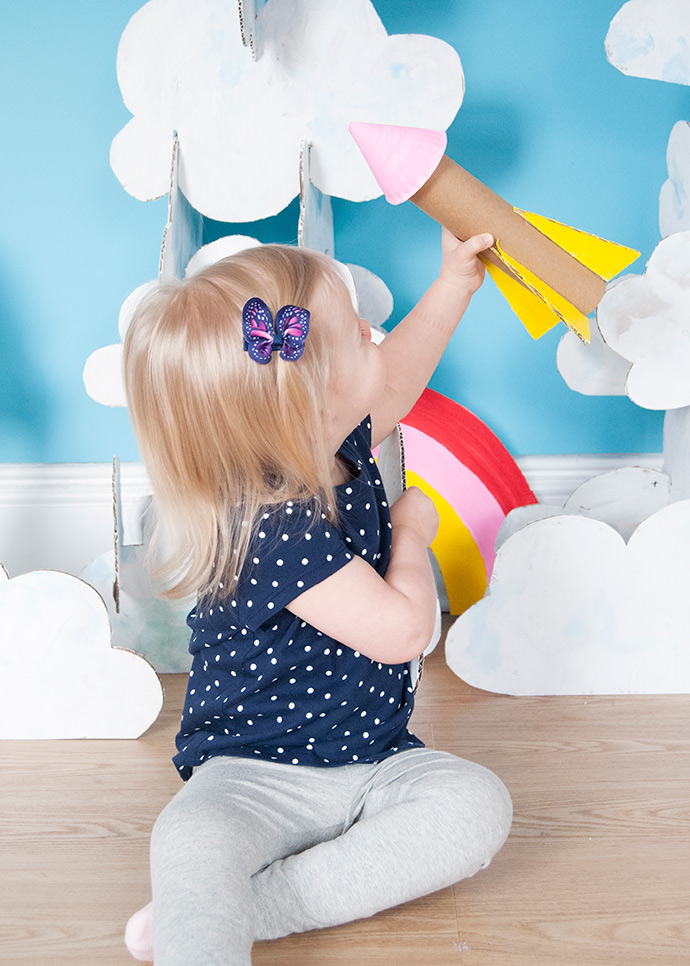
x: 547, y: 122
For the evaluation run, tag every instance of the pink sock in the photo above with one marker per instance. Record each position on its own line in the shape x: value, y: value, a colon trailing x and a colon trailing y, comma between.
x: 139, y: 934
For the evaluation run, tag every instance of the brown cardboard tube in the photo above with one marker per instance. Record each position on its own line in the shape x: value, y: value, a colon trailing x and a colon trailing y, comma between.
x: 457, y: 200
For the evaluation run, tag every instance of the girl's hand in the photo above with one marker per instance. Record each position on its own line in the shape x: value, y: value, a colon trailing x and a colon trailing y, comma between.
x: 414, y: 509
x: 460, y: 266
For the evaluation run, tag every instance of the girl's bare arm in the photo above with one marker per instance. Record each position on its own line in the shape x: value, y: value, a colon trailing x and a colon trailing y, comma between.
x: 414, y: 347
x: 388, y: 619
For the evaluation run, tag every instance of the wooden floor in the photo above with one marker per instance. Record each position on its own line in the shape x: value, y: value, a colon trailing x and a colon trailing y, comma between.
x: 596, y: 871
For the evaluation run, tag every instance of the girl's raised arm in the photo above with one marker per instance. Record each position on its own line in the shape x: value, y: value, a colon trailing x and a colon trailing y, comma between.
x: 414, y: 347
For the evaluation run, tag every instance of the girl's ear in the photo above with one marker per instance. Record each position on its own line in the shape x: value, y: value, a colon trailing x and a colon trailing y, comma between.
x: 366, y: 328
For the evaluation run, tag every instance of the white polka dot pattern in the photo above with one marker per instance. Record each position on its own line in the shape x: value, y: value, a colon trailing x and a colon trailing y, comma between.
x: 266, y: 684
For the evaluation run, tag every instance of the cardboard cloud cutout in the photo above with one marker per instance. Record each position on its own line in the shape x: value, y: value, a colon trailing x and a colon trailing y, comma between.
x: 651, y: 38
x: 674, y: 211
x: 183, y: 67
x: 623, y: 499
x: 59, y: 675
x: 594, y: 369
x: 573, y: 609
x: 102, y: 373
x: 645, y: 320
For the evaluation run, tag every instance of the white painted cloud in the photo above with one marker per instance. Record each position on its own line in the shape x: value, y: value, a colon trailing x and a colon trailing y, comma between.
x: 651, y: 38
x: 674, y: 210
x: 59, y: 675
x: 646, y: 320
x: 645, y: 323
x: 324, y: 63
x: 573, y: 609
x: 213, y: 252
x: 102, y: 373
x: 103, y: 369
x: 622, y: 499
x: 593, y: 369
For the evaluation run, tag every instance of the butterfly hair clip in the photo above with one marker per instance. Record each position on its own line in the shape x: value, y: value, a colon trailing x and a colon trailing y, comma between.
x: 261, y: 337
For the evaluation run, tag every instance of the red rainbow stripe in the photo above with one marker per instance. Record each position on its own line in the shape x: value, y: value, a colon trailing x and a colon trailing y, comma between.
x: 474, y: 445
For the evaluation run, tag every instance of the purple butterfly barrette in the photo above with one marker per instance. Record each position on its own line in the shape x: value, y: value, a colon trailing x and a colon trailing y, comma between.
x: 260, y: 337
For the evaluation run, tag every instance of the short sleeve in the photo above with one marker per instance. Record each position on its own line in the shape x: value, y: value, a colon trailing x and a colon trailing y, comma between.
x: 291, y: 553
x: 364, y: 431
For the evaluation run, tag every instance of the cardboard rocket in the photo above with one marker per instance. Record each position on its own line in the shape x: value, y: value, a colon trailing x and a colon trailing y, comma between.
x: 547, y: 271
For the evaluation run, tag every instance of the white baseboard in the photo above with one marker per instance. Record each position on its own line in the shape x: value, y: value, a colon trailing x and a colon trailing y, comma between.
x: 59, y: 516
x: 553, y: 478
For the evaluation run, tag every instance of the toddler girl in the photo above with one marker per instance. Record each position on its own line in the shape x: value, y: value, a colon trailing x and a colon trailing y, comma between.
x: 256, y: 396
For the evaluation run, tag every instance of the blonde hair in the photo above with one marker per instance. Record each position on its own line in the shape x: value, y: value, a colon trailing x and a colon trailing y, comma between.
x: 223, y: 438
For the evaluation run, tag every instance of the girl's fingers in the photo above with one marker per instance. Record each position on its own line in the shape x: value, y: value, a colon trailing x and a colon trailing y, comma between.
x: 473, y: 246
x: 479, y: 243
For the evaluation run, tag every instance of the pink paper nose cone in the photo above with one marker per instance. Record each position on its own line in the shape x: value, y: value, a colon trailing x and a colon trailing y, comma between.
x: 401, y: 159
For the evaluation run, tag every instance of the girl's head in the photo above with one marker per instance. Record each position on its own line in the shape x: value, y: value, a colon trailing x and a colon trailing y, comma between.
x: 223, y: 437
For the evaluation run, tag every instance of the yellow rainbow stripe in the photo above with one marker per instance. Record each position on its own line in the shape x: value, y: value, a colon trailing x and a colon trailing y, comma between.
x: 462, y: 565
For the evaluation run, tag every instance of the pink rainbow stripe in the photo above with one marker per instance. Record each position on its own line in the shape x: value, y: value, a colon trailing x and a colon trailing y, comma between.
x: 470, y: 499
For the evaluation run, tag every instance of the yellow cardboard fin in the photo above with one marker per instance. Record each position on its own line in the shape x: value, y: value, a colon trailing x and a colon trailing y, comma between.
x: 564, y: 310
x: 605, y: 258
x: 534, y: 313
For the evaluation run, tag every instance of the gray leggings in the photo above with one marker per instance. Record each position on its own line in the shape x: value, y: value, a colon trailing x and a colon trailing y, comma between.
x: 256, y: 850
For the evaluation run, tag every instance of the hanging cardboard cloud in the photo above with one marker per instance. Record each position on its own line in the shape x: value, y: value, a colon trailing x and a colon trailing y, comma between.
x: 622, y: 499
x: 241, y: 121
x: 674, y: 210
x: 573, y: 609
x: 594, y: 369
x: 103, y: 369
x: 59, y: 675
x: 250, y: 28
x: 644, y: 320
x: 374, y: 299
x: 651, y: 38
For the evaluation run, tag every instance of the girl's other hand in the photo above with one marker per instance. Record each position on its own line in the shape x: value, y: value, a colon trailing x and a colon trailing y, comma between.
x: 460, y: 266
x: 414, y: 509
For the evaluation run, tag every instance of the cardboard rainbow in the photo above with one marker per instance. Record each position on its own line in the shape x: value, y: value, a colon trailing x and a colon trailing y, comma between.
x: 59, y: 675
x: 474, y: 482
x: 547, y: 271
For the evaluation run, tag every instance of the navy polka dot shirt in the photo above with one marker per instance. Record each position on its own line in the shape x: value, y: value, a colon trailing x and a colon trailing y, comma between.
x: 265, y: 684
